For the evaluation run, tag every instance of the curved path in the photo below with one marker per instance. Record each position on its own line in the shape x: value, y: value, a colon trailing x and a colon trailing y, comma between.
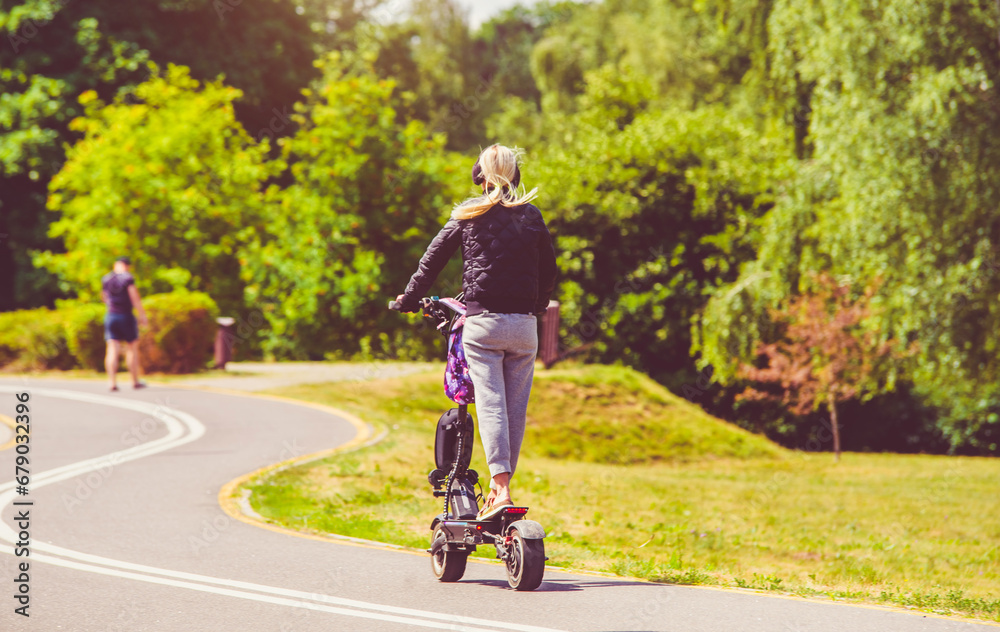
x: 127, y: 534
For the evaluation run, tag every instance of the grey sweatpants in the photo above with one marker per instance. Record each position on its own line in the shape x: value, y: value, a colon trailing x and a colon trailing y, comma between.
x: 500, y: 349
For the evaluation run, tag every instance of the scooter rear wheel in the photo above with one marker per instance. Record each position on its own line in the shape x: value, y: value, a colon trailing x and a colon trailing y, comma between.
x: 525, y: 562
x: 448, y: 566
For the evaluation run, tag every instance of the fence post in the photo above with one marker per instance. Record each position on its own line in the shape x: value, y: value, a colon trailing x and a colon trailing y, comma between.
x: 550, y: 335
x: 224, y: 340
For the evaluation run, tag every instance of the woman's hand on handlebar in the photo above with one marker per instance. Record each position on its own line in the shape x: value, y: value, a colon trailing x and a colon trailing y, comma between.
x: 397, y: 305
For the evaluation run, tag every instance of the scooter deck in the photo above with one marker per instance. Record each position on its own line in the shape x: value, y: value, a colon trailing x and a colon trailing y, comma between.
x: 510, y: 513
x: 475, y: 532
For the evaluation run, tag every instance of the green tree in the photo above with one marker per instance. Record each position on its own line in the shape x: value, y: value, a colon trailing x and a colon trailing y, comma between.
x: 689, y: 52
x: 652, y: 209
x: 499, y: 58
x: 895, y: 108
x: 168, y: 177
x: 653, y: 175
x: 38, y: 100
x: 366, y: 194
x: 54, y: 51
x: 459, y: 78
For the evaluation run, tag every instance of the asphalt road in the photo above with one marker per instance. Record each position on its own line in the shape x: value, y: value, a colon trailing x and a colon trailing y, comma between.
x: 126, y: 534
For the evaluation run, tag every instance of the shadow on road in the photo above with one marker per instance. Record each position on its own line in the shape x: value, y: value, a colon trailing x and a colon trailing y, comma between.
x: 563, y: 585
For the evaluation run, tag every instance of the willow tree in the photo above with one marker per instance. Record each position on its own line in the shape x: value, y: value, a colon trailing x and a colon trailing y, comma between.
x: 894, y: 107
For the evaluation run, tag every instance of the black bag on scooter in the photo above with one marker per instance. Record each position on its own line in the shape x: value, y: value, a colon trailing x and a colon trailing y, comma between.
x: 446, y: 442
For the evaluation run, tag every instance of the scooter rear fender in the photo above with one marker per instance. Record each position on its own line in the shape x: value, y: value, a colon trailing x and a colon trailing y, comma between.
x: 529, y: 529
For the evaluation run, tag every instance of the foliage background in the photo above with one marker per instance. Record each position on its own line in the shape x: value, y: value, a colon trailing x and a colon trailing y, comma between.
x: 699, y: 161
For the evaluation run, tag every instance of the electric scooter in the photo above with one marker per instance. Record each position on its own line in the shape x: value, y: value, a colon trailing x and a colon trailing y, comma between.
x: 456, y: 532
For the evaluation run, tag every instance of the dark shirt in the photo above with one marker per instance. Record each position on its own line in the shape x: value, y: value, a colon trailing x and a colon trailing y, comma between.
x: 509, y: 263
x: 114, y: 289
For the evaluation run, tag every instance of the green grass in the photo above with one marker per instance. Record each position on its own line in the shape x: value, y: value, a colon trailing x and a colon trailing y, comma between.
x: 629, y: 479
x: 615, y: 415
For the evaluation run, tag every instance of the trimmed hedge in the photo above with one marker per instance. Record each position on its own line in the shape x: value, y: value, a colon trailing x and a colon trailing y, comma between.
x: 33, y: 340
x: 181, y: 332
x: 178, y: 340
x: 85, y: 335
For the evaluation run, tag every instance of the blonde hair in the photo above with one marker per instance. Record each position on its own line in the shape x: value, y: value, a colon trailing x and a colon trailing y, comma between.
x: 498, y: 165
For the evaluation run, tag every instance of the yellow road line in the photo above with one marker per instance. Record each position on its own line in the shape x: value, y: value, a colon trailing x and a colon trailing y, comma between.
x: 7, y: 421
x: 230, y: 503
x: 227, y: 495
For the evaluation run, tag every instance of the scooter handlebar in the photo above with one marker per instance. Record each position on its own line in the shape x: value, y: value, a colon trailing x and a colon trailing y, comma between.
x: 427, y: 304
x: 397, y: 306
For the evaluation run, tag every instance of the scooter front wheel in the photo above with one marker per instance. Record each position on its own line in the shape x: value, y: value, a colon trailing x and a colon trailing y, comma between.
x: 525, y: 562
x: 448, y: 566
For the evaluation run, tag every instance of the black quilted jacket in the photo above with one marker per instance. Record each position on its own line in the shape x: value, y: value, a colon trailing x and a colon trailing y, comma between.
x: 508, y: 262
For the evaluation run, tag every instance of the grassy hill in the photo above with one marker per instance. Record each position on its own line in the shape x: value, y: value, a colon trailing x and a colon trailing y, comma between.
x: 605, y: 414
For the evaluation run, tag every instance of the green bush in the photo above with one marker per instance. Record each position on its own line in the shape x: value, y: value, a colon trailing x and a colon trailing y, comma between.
x: 85, y: 333
x: 181, y: 332
x: 179, y: 338
x: 11, y: 324
x: 33, y: 340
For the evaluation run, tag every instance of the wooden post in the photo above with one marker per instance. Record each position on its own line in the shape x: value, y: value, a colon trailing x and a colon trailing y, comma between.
x: 836, y: 428
x: 550, y: 335
x: 224, y: 339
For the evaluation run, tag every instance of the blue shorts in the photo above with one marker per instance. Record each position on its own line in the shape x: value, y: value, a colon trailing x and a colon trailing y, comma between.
x: 120, y: 327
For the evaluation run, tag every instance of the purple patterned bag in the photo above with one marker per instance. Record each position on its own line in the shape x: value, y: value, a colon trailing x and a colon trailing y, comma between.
x: 457, y: 381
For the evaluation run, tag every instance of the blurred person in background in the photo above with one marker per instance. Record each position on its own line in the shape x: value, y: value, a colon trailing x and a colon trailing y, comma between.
x: 120, y: 327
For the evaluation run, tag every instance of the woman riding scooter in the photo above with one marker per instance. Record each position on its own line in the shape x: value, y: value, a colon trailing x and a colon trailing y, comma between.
x: 508, y: 274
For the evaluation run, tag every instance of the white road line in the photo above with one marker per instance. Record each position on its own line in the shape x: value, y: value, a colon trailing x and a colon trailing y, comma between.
x: 183, y: 428
x: 433, y: 620
x: 175, y: 436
